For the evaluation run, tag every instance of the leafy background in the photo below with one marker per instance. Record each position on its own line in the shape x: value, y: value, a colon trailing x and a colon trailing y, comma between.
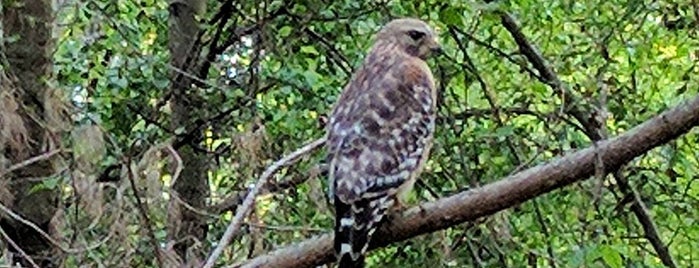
x: 281, y: 65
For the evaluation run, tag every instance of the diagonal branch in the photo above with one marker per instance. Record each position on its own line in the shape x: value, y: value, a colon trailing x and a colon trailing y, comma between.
x: 595, y: 130
x: 505, y: 193
x: 25, y: 163
x: 245, y: 208
x: 231, y: 202
x: 18, y: 249
x: 548, y: 76
x: 650, y: 230
x: 6, y: 212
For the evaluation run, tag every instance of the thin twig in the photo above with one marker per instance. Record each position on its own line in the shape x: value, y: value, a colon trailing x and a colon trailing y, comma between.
x: 30, y: 161
x: 21, y: 252
x: 143, y: 209
x: 233, y: 200
x: 175, y: 196
x: 496, y: 51
x: 545, y: 231
x: 244, y: 209
x: 334, y: 52
x: 178, y: 161
x: 63, y: 248
x: 286, y: 228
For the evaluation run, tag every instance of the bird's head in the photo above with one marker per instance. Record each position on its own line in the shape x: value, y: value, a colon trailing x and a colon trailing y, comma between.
x: 413, y: 36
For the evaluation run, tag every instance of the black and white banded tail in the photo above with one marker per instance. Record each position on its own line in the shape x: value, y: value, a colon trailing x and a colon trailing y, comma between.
x: 354, y: 225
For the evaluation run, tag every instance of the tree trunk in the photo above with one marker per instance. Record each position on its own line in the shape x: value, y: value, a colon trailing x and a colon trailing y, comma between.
x: 26, y: 96
x: 187, y: 227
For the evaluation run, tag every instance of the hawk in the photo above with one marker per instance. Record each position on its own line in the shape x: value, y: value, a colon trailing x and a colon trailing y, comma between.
x: 380, y: 133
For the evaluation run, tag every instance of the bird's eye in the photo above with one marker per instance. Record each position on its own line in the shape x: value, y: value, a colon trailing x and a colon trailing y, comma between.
x: 415, y: 35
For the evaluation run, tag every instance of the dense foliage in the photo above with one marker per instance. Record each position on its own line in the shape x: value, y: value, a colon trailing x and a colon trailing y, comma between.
x: 272, y: 71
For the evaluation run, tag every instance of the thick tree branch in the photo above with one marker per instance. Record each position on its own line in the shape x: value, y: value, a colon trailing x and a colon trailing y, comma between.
x: 505, y: 193
x: 595, y: 130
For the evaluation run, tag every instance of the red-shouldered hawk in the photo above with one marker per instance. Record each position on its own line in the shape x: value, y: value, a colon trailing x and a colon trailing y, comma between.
x: 380, y: 133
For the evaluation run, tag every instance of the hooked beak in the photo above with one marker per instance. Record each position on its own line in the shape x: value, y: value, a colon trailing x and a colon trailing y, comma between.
x: 436, y: 48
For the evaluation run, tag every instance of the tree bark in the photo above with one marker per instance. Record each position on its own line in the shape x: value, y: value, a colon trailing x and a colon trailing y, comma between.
x: 502, y: 194
x: 28, y: 68
x: 187, y: 227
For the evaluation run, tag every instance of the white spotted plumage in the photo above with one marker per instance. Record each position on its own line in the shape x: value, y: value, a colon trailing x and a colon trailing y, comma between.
x: 380, y: 134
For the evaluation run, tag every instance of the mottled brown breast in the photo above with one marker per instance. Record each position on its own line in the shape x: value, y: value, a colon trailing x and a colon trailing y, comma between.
x: 381, y: 126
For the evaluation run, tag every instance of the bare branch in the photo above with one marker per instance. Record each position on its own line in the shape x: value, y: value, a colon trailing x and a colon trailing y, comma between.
x: 19, y: 250
x: 30, y: 161
x: 48, y: 237
x: 244, y: 209
x: 143, y: 209
x: 500, y: 195
x: 233, y: 200
x: 650, y: 231
x: 286, y: 228
x: 547, y: 75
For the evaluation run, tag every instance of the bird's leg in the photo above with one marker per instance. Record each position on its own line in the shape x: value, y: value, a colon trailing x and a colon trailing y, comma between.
x: 395, y: 209
x: 402, y: 196
x: 398, y: 205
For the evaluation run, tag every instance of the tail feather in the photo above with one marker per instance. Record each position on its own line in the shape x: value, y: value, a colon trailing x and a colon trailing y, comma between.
x: 354, y: 225
x: 346, y: 261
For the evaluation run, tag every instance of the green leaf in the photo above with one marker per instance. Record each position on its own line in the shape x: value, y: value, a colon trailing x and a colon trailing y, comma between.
x: 161, y: 83
x: 611, y: 257
x: 119, y: 82
x: 285, y: 31
x: 180, y: 130
x: 311, y: 78
x: 309, y: 50
x: 52, y: 182
x: 504, y: 131
x: 451, y: 16
x: 49, y: 183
